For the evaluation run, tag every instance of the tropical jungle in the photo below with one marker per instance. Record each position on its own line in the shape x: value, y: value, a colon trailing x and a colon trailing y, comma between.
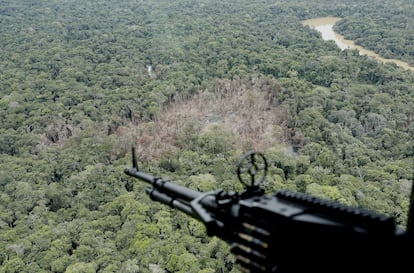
x: 193, y: 85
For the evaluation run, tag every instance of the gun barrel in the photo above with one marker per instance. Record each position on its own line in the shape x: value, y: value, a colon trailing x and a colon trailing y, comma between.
x: 165, y: 186
x: 165, y: 199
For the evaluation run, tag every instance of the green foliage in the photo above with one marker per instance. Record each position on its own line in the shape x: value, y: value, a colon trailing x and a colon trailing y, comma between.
x: 202, y: 182
x: 186, y: 262
x: 14, y: 265
x: 303, y: 181
x: 216, y: 140
x: 324, y: 191
x: 81, y: 81
x: 81, y: 268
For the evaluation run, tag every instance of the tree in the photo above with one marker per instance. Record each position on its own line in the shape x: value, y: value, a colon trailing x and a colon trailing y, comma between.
x: 216, y: 140
x: 81, y: 267
x: 185, y: 263
x: 303, y: 181
x: 202, y: 182
x: 324, y: 191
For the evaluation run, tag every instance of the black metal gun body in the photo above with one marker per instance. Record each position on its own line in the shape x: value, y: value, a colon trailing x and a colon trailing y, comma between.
x: 289, y: 231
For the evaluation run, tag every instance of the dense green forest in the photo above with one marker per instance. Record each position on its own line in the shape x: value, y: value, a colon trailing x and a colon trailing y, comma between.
x: 194, y: 85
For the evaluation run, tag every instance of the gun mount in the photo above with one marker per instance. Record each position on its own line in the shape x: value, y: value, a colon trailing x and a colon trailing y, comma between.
x: 287, y: 231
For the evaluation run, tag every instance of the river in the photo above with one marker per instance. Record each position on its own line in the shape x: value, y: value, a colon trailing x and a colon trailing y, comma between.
x: 325, y: 26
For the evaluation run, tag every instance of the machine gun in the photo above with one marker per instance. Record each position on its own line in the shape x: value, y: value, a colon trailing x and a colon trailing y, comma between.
x: 288, y: 232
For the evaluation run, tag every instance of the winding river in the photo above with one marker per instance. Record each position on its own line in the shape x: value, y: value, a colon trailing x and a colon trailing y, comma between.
x: 325, y: 26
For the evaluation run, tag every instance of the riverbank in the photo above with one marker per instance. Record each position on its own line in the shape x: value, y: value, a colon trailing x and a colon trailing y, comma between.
x: 325, y: 26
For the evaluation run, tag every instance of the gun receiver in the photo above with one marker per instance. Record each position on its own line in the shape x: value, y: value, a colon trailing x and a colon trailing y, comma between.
x: 287, y: 231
